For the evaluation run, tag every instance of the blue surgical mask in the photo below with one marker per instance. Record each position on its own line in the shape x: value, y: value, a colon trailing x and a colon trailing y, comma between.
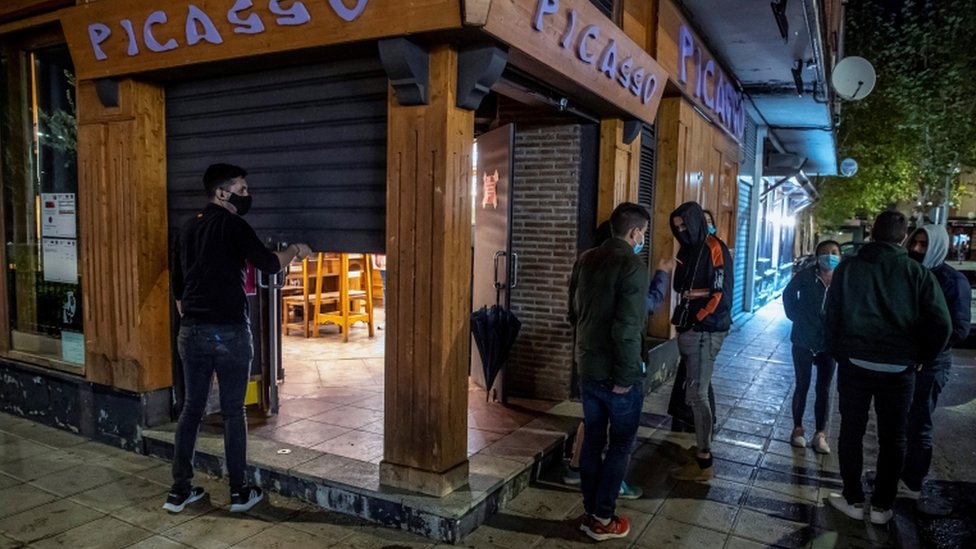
x: 828, y: 262
x: 711, y: 230
x: 638, y: 247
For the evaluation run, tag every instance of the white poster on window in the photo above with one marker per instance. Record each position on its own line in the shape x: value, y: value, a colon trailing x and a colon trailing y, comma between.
x: 58, y: 215
x: 60, y: 260
x: 73, y: 347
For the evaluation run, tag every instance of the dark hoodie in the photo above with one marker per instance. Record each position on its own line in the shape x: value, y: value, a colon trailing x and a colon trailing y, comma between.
x: 955, y: 286
x: 885, y: 307
x: 702, y: 276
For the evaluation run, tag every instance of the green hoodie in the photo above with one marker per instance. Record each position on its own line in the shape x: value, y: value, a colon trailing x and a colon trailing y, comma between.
x: 885, y: 307
x: 607, y: 304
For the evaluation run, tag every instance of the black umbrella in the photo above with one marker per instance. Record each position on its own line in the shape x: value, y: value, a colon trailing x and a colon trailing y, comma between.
x: 494, y: 330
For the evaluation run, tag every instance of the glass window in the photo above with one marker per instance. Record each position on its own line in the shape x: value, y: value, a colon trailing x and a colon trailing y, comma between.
x: 40, y: 204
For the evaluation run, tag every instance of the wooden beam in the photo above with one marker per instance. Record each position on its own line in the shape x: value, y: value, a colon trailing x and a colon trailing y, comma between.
x: 20, y: 9
x: 619, y: 170
x: 124, y: 254
x: 668, y: 192
x: 428, y: 280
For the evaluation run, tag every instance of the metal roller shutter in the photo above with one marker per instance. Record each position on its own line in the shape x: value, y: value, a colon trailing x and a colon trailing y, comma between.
x: 645, y: 189
x: 312, y: 138
x: 742, y: 216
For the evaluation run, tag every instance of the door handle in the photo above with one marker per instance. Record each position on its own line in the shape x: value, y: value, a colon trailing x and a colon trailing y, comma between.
x: 514, y: 271
x: 498, y: 285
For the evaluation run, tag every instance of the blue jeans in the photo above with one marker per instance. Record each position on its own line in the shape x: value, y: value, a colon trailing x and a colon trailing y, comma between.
x: 226, y: 349
x: 803, y: 362
x: 698, y: 351
x: 600, y: 476
x: 928, y: 385
x: 892, y: 395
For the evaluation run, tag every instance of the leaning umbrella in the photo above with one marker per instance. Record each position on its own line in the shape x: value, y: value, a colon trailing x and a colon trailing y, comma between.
x: 494, y: 330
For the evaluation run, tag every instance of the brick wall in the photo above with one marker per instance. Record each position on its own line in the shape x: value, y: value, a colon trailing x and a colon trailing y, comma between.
x: 544, y: 235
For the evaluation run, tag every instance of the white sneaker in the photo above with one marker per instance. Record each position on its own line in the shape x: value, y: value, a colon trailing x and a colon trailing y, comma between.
x: 905, y: 491
x: 797, y: 439
x: 820, y: 443
x: 881, y: 516
x: 854, y: 511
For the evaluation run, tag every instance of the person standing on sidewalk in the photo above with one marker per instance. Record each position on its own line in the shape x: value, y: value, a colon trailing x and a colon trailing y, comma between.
x: 608, y: 291
x: 215, y: 332
x: 885, y: 315
x: 804, y: 300
x: 703, y: 279
x: 655, y: 295
x: 929, y: 245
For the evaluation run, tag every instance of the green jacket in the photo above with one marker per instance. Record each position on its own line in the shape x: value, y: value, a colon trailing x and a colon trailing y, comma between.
x: 607, y: 304
x: 885, y: 307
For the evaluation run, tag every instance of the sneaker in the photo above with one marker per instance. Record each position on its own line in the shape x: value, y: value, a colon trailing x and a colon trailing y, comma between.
x: 571, y: 476
x: 797, y: 440
x: 584, y: 522
x: 906, y: 492
x: 820, y: 443
x: 176, y: 502
x: 629, y: 492
x: 618, y: 527
x: 881, y: 516
x: 691, y: 471
x: 243, y: 500
x: 852, y: 510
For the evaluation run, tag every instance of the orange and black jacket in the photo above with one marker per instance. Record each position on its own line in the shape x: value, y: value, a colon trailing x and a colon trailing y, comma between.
x: 702, y: 276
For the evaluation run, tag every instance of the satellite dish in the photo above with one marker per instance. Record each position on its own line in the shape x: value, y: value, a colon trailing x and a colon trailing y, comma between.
x: 853, y: 78
x: 848, y: 167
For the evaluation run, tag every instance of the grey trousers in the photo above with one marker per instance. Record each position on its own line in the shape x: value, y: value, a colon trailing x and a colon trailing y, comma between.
x: 698, y: 350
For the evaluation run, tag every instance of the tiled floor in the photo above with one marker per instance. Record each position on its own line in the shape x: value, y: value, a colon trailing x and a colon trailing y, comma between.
x: 332, y: 398
x: 59, y: 490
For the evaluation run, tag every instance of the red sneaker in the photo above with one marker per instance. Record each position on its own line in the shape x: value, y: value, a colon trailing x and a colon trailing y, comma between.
x: 584, y: 521
x: 618, y: 527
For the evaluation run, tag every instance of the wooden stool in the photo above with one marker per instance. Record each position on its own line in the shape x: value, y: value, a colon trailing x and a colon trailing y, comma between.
x: 348, y: 302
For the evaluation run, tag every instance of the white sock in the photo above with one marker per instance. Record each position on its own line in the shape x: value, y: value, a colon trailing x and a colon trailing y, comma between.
x: 603, y: 521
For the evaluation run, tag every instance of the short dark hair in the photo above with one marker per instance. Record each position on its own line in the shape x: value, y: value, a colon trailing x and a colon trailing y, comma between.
x: 890, y: 226
x: 218, y: 175
x: 627, y: 216
x: 823, y: 244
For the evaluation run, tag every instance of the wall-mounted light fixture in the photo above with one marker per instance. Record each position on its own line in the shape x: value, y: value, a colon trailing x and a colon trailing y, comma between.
x: 797, y: 71
x: 779, y: 13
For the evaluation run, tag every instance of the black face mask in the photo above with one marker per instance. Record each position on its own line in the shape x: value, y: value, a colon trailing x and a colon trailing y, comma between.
x: 241, y: 203
x: 684, y: 238
x: 916, y: 256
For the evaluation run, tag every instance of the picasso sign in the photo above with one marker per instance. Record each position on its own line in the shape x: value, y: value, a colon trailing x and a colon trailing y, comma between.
x: 199, y: 26
x: 707, y: 82
x: 118, y: 37
x: 604, y: 55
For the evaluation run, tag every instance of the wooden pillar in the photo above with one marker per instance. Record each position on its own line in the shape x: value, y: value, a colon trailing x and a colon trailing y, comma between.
x: 669, y: 188
x: 428, y: 229
x: 619, y: 168
x: 124, y: 240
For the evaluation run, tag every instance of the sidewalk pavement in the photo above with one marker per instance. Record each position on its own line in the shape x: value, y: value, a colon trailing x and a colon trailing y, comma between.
x: 60, y: 490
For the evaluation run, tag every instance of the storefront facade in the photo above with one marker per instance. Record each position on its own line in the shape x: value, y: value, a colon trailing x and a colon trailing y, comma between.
x: 161, y: 90
x: 357, y: 121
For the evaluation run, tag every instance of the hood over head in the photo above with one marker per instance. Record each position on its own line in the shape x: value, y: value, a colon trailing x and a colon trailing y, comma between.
x: 938, y: 247
x: 694, y: 218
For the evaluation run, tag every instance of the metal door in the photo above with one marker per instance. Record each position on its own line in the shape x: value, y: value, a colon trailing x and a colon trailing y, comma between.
x: 495, y: 267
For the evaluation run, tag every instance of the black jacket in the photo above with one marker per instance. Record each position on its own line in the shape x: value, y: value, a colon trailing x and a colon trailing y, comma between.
x: 703, y: 275
x: 885, y: 307
x: 805, y: 301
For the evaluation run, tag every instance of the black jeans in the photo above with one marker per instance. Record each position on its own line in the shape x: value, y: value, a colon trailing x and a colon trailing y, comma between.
x: 206, y: 349
x: 803, y: 362
x: 892, y: 395
x: 928, y: 385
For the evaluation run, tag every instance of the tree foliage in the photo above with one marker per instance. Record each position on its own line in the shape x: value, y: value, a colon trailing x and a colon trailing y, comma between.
x: 912, y: 133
